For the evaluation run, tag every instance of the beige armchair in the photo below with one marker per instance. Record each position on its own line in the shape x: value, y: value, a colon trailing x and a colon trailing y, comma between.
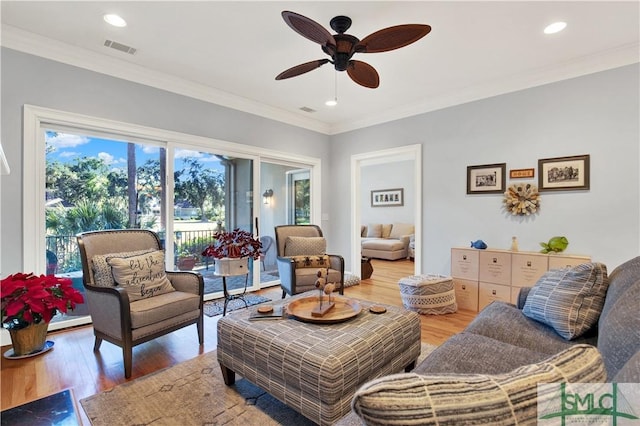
x: 301, y: 252
x: 127, y: 310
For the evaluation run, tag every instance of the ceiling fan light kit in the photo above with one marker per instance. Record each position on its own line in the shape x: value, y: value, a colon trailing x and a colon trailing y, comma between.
x: 341, y: 46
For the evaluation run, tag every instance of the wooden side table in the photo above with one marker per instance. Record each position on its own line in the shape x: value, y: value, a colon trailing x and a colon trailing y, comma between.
x: 366, y: 268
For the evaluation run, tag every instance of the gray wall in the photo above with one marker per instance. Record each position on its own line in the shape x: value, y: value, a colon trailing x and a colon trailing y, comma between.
x: 596, y: 114
x: 28, y: 79
x: 396, y: 174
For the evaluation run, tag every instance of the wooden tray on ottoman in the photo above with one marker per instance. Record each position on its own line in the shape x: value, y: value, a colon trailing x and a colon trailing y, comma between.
x: 343, y: 310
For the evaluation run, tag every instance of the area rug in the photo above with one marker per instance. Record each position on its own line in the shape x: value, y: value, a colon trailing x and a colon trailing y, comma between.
x: 215, y: 307
x: 213, y: 283
x: 193, y: 393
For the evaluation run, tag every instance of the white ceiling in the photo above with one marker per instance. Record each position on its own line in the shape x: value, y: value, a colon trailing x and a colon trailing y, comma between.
x: 230, y: 52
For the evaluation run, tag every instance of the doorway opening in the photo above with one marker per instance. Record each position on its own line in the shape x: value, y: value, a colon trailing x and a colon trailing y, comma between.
x: 412, y: 154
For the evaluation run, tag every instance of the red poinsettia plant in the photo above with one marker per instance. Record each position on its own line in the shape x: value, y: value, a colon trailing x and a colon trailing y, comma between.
x: 235, y: 244
x: 30, y: 299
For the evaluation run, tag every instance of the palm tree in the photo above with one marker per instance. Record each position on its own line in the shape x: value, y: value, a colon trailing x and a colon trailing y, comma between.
x: 131, y: 184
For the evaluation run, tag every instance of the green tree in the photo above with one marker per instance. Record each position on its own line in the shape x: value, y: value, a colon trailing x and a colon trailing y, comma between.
x: 84, y: 178
x: 132, y: 191
x: 149, y: 184
x: 198, y: 184
x: 85, y: 215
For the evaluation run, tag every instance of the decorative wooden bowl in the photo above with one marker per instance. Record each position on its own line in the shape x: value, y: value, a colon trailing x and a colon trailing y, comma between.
x: 343, y: 310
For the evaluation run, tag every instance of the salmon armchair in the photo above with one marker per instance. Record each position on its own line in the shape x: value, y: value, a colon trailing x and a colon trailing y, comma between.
x: 127, y: 314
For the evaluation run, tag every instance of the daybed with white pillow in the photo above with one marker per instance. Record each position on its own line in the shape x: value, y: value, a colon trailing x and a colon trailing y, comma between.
x: 576, y: 325
x: 386, y: 241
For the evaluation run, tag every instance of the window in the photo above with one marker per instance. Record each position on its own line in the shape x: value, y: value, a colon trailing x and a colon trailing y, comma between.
x: 136, y: 198
x: 96, y: 183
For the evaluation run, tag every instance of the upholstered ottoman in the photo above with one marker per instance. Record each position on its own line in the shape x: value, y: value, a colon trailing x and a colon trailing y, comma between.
x: 428, y: 294
x: 316, y: 368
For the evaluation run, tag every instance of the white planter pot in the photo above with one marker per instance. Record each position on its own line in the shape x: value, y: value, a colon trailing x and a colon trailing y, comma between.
x: 232, y: 266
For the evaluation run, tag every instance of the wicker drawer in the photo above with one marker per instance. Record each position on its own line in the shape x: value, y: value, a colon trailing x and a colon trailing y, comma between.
x: 464, y: 263
x: 515, y: 291
x: 466, y: 294
x: 559, y: 261
x: 527, y: 268
x: 490, y: 292
x: 495, y: 267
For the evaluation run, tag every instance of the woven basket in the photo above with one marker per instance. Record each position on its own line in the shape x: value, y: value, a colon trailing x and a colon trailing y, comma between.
x: 428, y: 294
x: 30, y: 339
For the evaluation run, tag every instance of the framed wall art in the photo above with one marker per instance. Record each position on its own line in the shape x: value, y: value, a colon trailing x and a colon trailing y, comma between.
x: 522, y: 173
x: 387, y: 197
x: 486, y: 179
x: 563, y: 173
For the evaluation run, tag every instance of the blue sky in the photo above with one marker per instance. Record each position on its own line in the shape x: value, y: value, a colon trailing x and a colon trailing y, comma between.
x: 67, y: 147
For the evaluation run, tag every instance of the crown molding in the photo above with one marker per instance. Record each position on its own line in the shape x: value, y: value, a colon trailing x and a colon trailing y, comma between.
x: 24, y: 41
x: 601, y: 61
x: 34, y: 44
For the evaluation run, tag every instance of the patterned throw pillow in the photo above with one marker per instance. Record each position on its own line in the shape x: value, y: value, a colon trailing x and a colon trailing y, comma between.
x: 501, y: 399
x: 569, y: 300
x: 295, y: 246
x: 102, y: 276
x: 141, y: 273
x: 321, y: 261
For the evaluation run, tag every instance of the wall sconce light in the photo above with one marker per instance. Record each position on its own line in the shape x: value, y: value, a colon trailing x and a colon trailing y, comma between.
x: 266, y: 197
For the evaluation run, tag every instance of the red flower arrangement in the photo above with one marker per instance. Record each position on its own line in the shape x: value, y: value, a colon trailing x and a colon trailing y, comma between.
x: 30, y: 299
x: 234, y: 244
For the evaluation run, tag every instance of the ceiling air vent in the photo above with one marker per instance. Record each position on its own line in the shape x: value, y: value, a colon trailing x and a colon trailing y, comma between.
x: 307, y: 109
x: 121, y: 47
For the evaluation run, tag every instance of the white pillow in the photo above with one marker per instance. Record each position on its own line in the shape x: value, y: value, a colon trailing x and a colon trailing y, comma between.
x: 374, y: 230
x: 142, y: 276
x: 399, y: 230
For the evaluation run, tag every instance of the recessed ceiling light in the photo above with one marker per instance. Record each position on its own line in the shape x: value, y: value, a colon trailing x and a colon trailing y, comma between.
x: 115, y: 20
x: 556, y: 27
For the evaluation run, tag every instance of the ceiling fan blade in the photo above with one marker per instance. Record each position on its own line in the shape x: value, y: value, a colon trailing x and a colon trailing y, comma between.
x: 308, y: 28
x: 392, y: 38
x: 363, y: 74
x: 301, y: 69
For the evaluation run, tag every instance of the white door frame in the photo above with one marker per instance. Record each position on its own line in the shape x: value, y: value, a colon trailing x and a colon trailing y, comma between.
x: 403, y: 153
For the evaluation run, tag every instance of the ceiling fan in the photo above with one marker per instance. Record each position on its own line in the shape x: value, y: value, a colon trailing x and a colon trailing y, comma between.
x: 341, y: 47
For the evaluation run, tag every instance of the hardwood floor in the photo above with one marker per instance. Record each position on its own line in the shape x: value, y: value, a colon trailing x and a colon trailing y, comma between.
x: 73, y: 364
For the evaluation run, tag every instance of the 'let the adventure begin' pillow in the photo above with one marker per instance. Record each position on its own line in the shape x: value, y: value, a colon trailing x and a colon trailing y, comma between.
x: 142, y: 276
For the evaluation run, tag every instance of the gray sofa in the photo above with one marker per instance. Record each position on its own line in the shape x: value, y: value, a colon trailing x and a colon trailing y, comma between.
x: 503, y: 345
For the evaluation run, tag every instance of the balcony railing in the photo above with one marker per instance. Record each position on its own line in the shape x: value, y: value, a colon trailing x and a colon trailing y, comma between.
x: 63, y: 255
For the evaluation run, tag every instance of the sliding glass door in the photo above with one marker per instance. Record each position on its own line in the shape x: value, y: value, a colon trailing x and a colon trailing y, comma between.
x: 93, y: 174
x: 96, y: 183
x: 286, y: 200
x: 212, y: 192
